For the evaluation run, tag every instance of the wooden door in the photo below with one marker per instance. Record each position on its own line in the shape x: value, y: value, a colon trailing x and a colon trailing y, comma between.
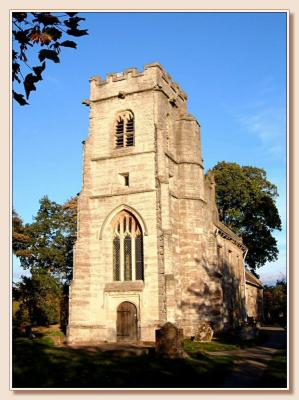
x: 126, y: 325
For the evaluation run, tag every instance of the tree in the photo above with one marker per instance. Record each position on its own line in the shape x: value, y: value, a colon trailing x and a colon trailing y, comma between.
x: 246, y: 203
x: 39, y: 297
x: 49, y: 239
x: 45, y: 248
x: 275, y: 302
x: 19, y: 239
x: 48, y: 32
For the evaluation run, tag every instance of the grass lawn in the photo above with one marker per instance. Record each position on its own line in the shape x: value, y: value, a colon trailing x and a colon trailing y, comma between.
x: 275, y: 375
x: 39, y: 363
x: 44, y: 362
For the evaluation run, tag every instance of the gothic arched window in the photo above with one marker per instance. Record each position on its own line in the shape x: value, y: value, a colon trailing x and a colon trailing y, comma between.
x: 127, y: 248
x: 124, y: 129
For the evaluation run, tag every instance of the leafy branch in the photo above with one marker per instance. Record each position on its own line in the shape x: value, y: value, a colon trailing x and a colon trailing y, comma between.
x: 47, y: 32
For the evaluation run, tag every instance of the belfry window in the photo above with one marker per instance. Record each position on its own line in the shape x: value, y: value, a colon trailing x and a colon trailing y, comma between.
x: 124, y: 130
x: 127, y: 248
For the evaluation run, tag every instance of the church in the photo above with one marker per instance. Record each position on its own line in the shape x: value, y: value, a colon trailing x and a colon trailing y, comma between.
x: 150, y: 246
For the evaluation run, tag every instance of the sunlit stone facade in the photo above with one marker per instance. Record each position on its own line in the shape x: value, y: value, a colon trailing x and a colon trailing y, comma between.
x: 150, y: 246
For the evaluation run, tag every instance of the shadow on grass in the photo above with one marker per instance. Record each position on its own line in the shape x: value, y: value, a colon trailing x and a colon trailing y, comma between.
x: 39, y: 364
x: 234, y: 339
x: 275, y: 375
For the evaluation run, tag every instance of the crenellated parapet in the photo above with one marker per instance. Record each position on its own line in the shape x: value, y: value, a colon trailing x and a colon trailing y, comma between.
x: 130, y: 81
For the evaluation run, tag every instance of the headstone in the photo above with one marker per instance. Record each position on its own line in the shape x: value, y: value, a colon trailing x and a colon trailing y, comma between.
x: 169, y: 341
x: 204, y: 332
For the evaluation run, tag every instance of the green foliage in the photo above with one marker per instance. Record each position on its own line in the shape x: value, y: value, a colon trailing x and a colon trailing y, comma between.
x: 45, y: 248
x: 275, y: 303
x: 15, y: 307
x: 246, y: 203
x: 39, y: 29
x: 39, y: 297
x: 49, y: 240
x: 20, y: 239
x: 22, y: 316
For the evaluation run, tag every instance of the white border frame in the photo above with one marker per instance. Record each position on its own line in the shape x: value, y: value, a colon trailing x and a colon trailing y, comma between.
x: 287, y: 12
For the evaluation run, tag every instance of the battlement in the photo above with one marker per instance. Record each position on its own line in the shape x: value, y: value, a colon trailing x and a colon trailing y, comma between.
x: 154, y: 77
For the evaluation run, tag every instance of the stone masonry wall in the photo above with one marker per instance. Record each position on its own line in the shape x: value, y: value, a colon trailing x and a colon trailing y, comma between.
x: 193, y: 266
x: 254, y: 302
x: 93, y: 306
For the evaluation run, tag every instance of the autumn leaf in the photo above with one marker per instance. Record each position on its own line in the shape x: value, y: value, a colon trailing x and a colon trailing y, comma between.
x: 69, y: 43
x: 45, y: 38
x: 19, y: 98
x: 14, y: 55
x: 29, y: 84
x: 21, y: 36
x: 49, y: 54
x: 38, y: 70
x: 77, y: 32
x: 73, y: 22
x: 41, y: 30
x: 15, y: 72
x: 35, y: 36
x: 53, y: 32
x: 45, y: 18
x: 19, y: 16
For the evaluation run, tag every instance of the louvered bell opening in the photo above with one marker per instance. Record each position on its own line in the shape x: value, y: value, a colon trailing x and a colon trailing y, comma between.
x: 119, y: 133
x: 116, y: 259
x: 130, y: 132
x: 130, y: 125
x: 130, y: 139
x: 119, y: 140
x: 139, y: 257
x: 120, y: 126
x: 128, y: 258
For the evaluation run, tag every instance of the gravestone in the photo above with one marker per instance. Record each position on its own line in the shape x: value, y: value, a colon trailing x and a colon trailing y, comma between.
x: 169, y: 341
x: 204, y: 332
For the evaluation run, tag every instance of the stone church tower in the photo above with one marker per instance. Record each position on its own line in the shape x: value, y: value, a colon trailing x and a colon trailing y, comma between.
x: 150, y: 247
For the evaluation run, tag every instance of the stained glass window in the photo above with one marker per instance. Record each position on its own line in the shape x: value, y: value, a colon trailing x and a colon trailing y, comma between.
x: 116, y: 259
x: 127, y: 248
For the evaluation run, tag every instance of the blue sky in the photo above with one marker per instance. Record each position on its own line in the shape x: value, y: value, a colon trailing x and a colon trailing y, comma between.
x: 232, y: 66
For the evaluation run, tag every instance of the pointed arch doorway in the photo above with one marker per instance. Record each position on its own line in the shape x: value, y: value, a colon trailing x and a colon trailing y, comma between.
x: 126, y: 323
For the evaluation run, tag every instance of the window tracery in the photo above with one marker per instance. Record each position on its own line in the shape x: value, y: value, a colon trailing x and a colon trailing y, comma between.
x: 127, y: 248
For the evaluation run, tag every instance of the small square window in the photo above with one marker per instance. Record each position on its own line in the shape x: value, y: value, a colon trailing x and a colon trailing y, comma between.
x: 124, y: 179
